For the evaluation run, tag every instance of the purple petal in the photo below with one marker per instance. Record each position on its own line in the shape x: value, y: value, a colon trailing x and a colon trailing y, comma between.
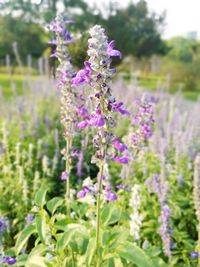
x: 81, y: 194
x: 115, y: 53
x: 82, y: 124
x: 64, y: 176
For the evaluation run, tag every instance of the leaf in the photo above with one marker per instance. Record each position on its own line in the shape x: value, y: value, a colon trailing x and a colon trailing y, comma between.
x: 54, y: 203
x: 21, y: 260
x: 110, y: 214
x: 41, y: 225
x: 36, y: 261
x: 40, y: 197
x: 134, y: 254
x: 23, y: 237
x: 38, y: 250
x: 91, y: 249
x: 71, y: 232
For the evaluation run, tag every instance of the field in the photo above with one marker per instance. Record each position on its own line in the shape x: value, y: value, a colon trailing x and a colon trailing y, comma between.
x: 94, y: 173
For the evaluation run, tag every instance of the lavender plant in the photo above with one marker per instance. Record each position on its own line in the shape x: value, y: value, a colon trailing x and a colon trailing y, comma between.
x: 69, y: 96
x: 196, y: 196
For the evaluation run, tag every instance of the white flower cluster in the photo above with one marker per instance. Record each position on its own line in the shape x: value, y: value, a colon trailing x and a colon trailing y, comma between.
x: 136, y: 218
x: 97, y: 51
x: 64, y: 74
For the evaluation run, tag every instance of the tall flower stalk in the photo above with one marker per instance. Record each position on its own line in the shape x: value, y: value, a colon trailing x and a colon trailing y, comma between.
x: 98, y: 73
x: 196, y: 195
x: 156, y: 184
x: 64, y: 74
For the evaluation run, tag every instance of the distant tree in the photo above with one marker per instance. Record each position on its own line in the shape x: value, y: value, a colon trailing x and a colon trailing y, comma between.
x: 136, y: 31
x: 184, y: 49
x: 29, y: 37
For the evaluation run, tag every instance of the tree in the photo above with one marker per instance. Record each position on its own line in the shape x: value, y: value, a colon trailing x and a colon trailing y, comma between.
x: 136, y: 31
x: 29, y: 37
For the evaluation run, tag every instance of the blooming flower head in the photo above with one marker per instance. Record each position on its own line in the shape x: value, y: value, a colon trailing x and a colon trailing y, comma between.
x: 142, y: 123
x: 9, y: 260
x: 111, y: 51
x: 64, y: 176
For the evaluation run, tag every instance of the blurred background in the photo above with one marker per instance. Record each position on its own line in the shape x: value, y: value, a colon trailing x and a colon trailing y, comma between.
x: 158, y: 40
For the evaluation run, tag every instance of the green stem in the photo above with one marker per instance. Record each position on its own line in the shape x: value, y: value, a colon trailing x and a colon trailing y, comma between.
x: 68, y: 169
x: 73, y: 259
x: 99, y: 188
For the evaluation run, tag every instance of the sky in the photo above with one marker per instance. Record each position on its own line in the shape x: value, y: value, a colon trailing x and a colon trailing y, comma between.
x: 182, y: 16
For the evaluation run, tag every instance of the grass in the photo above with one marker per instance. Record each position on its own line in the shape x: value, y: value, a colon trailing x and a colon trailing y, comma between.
x: 10, y: 85
x: 152, y: 81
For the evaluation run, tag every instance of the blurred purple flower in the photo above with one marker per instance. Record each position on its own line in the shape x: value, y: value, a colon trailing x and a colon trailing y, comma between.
x: 64, y: 176
x: 9, y: 260
x: 111, y: 196
x: 118, y: 145
x: 111, y: 51
x: 83, y: 75
x: 29, y: 218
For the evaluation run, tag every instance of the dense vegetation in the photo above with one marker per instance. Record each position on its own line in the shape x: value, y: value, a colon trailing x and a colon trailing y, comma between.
x: 115, y: 184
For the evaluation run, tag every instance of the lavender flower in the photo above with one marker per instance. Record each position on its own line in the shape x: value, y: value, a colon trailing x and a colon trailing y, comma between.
x: 9, y: 260
x: 194, y: 255
x: 70, y: 99
x: 156, y: 184
x: 165, y: 230
x: 64, y: 176
x: 196, y: 191
x: 142, y: 123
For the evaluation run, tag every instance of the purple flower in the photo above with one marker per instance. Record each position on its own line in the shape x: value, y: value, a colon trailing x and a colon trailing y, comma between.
x: 97, y: 120
x: 117, y: 107
x: 82, y: 124
x: 29, y: 218
x: 119, y: 146
x: 82, y: 111
x: 111, y: 196
x: 53, y: 42
x: 165, y: 229
x: 55, y: 27
x: 64, y: 176
x: 120, y: 186
x: 111, y: 51
x: 9, y: 260
x: 82, y: 76
x: 81, y: 194
x: 2, y: 226
x: 122, y: 160
x: 194, y: 255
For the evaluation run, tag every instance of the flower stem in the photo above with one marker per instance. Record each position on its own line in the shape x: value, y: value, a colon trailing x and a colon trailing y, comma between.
x: 68, y: 169
x: 99, y: 188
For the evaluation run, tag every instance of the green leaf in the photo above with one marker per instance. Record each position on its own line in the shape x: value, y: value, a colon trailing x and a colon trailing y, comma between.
x: 36, y: 261
x: 23, y: 237
x: 134, y: 254
x: 41, y: 225
x: 21, y: 260
x: 40, y: 197
x: 110, y: 214
x: 38, y: 250
x: 72, y: 231
x: 54, y: 203
x: 91, y: 249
